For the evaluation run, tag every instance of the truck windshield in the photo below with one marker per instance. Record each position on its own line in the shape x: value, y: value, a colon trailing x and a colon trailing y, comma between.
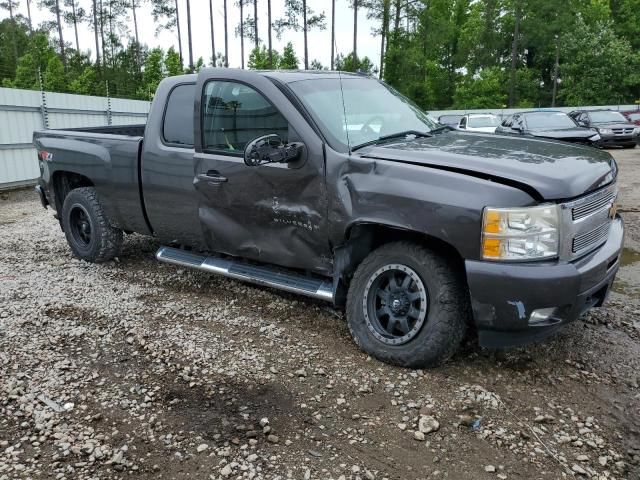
x: 483, y: 121
x: 370, y: 110
x: 607, y: 116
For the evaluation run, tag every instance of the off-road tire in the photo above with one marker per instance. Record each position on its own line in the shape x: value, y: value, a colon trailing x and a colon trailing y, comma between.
x: 447, y: 315
x: 105, y: 240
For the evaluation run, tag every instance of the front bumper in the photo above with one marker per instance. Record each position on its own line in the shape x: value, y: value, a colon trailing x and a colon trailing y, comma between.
x: 503, y: 295
x: 617, y: 140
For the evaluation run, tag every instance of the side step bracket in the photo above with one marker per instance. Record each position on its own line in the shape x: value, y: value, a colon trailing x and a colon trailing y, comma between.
x: 258, y: 274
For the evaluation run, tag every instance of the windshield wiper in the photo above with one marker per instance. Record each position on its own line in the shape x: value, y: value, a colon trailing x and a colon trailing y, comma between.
x: 442, y: 128
x: 406, y: 133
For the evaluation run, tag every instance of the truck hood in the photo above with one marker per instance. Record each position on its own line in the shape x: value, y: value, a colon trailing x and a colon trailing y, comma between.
x: 554, y: 170
x: 564, y: 133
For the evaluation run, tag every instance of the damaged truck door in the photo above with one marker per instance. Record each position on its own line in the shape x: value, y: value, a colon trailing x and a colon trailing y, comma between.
x: 275, y: 211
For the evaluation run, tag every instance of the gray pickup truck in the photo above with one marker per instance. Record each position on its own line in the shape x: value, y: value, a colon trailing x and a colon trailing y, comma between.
x: 337, y: 187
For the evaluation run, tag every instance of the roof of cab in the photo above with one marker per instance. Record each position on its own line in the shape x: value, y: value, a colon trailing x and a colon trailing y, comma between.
x: 289, y: 76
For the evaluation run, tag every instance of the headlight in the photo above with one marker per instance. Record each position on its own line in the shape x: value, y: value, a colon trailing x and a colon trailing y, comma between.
x: 636, y: 130
x: 595, y: 137
x: 606, y: 131
x: 520, y: 233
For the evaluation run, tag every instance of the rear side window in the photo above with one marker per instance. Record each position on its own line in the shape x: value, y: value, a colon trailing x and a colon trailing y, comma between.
x: 178, y: 116
x: 234, y: 114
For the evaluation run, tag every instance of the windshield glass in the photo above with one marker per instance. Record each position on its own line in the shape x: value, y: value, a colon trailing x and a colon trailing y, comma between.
x: 484, y: 121
x: 371, y: 110
x: 607, y: 116
x: 549, y: 120
x: 449, y: 119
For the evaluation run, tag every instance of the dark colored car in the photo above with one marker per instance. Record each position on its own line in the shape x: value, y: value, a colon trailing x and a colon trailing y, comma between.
x: 336, y: 187
x: 549, y: 124
x: 450, y: 120
x: 613, y: 127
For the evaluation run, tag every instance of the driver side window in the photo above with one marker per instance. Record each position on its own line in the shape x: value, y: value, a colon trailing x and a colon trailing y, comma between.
x: 233, y: 114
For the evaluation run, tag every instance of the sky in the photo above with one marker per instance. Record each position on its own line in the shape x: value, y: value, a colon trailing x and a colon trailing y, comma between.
x: 319, y: 42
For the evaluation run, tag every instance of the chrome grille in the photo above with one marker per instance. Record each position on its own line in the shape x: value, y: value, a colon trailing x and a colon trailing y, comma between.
x: 623, y: 131
x: 586, y: 222
x: 592, y: 205
x: 586, y: 240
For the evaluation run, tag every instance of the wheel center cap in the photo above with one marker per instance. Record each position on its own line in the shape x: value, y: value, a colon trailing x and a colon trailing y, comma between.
x: 396, y: 304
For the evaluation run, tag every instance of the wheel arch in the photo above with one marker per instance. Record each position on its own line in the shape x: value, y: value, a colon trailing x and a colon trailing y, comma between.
x: 63, y: 181
x: 361, y: 238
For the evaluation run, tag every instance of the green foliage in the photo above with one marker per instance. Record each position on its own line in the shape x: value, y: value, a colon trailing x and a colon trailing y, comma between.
x: 600, y: 67
x: 153, y: 73
x: 352, y: 64
x: 289, y: 61
x: 172, y: 63
x: 484, y: 90
x: 440, y: 53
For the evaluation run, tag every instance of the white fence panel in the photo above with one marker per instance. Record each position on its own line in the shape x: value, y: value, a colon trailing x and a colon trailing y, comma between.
x: 24, y: 111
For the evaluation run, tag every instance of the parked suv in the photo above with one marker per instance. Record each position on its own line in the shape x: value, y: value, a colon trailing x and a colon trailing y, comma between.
x: 612, y: 126
x: 479, y: 122
x: 549, y: 124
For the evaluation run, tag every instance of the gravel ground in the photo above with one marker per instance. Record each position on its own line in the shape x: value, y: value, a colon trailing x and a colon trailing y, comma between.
x: 135, y: 369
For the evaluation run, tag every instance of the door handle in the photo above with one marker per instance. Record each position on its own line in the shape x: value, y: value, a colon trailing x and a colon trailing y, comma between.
x: 212, y: 177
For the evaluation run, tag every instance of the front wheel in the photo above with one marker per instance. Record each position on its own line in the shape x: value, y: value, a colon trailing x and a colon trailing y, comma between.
x: 407, y: 306
x: 87, y: 228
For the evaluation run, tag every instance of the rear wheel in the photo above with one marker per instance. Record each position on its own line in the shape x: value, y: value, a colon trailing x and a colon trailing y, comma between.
x: 407, y: 306
x: 87, y: 228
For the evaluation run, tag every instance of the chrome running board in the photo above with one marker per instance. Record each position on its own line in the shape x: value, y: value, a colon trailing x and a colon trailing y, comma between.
x: 258, y: 274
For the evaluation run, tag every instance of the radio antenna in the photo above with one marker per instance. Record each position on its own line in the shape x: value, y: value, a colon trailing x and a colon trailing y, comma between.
x: 344, y: 108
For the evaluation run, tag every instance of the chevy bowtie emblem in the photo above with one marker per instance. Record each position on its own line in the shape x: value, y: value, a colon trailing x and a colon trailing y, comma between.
x: 613, y: 209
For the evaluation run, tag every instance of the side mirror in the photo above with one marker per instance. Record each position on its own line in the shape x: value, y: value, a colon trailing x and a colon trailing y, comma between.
x: 270, y: 149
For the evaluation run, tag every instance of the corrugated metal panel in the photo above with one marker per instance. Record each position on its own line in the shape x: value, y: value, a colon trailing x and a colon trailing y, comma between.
x: 20, y: 115
x: 18, y: 165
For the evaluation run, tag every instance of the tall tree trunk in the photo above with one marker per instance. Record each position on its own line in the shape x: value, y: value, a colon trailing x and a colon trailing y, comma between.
x: 269, y: 33
x: 355, y: 33
x: 242, y: 34
x: 396, y: 22
x: 556, y: 67
x: 386, y: 4
x: 255, y: 22
x: 179, y: 34
x: 75, y: 24
x: 95, y: 32
x: 514, y: 56
x: 213, y: 38
x: 10, y: 5
x: 304, y: 28
x: 29, y: 15
x: 191, y: 65
x: 104, y: 56
x: 226, y: 36
x: 135, y: 28
x: 333, y: 34
x: 111, y: 35
x: 61, y: 40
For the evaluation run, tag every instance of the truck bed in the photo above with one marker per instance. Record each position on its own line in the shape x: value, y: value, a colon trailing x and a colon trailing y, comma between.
x: 107, y: 158
x: 126, y: 130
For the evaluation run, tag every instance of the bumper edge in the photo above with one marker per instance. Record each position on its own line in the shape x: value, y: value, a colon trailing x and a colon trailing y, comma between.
x: 503, y: 296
